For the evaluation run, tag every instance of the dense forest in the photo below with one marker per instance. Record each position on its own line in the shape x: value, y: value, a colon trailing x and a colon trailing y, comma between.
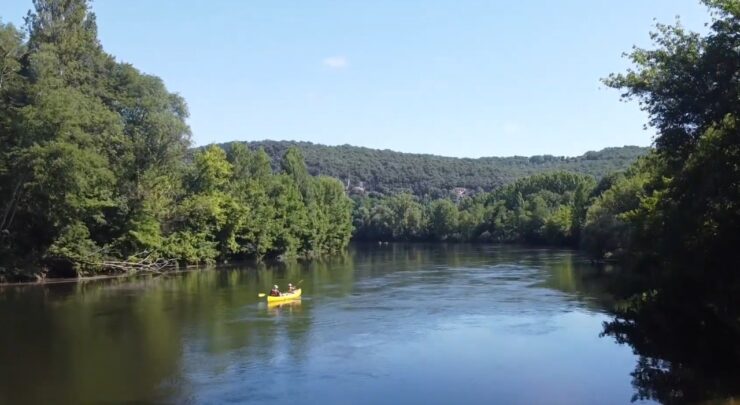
x: 681, y: 204
x: 387, y: 172
x: 547, y: 208
x: 94, y: 175
x: 98, y: 176
x: 677, y: 207
x: 97, y: 173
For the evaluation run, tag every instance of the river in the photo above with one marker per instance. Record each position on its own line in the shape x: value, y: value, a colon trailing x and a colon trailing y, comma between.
x: 428, y: 324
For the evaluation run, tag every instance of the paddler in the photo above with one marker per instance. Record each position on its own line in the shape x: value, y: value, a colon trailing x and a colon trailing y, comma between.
x: 291, y: 288
x: 275, y: 292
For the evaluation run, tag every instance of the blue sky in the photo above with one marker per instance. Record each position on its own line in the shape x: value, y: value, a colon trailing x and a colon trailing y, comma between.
x: 456, y: 78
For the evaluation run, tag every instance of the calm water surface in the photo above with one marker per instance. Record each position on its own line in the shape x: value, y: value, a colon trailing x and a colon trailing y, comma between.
x: 382, y: 324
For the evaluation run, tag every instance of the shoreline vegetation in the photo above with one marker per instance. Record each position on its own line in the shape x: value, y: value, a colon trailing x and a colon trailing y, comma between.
x: 96, y: 174
x: 253, y: 263
x: 98, y: 180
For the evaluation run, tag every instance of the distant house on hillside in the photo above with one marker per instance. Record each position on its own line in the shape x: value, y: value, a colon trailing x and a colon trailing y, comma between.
x: 358, y: 189
x: 461, y: 192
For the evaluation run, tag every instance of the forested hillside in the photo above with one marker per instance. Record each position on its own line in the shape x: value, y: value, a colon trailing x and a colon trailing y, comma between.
x: 547, y: 208
x: 96, y: 169
x: 94, y: 175
x: 389, y: 172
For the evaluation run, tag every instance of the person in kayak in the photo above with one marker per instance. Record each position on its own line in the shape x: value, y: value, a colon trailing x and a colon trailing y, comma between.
x: 275, y: 292
x: 291, y: 288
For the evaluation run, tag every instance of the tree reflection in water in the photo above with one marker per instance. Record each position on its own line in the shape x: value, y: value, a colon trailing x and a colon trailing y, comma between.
x: 688, y: 341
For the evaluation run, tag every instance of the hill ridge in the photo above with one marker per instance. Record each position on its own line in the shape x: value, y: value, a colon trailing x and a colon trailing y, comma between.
x: 368, y: 148
x: 386, y: 171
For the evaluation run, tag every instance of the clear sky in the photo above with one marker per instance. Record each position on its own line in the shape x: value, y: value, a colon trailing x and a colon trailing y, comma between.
x: 457, y: 78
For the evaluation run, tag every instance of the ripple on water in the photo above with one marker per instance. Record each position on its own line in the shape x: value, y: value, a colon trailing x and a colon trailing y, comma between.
x: 444, y: 325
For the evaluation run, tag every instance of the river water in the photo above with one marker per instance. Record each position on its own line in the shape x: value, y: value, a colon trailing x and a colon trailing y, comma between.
x: 428, y: 324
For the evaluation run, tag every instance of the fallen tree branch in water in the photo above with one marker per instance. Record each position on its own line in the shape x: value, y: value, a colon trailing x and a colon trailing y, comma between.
x: 141, y: 262
x: 155, y: 266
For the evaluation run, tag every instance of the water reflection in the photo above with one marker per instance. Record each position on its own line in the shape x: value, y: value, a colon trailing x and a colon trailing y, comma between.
x: 688, y: 342
x: 463, y: 322
x: 287, y: 307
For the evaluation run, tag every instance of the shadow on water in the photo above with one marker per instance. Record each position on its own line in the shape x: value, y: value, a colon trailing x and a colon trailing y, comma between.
x: 687, y: 336
x: 205, y: 336
x: 685, y: 330
x: 131, y: 339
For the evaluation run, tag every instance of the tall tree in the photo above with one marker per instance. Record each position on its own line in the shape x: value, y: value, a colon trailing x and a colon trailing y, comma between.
x: 294, y: 166
x: 443, y: 219
x: 690, y: 86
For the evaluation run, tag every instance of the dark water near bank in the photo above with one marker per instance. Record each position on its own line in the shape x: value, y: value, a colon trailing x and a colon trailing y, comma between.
x: 382, y: 324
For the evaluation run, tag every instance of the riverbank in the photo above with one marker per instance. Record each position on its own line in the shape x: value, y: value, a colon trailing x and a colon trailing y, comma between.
x: 38, y: 279
x: 65, y: 280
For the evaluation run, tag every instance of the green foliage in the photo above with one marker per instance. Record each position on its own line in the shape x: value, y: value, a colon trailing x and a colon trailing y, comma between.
x: 93, y: 165
x: 443, y: 219
x: 232, y: 208
x: 333, y: 219
x: 607, y: 230
x: 707, y: 194
x: 74, y: 244
x: 542, y: 209
x: 87, y: 142
x: 12, y: 50
x: 294, y: 166
x: 249, y: 164
x: 398, y: 217
x: 386, y: 172
x: 211, y: 171
x: 681, y: 204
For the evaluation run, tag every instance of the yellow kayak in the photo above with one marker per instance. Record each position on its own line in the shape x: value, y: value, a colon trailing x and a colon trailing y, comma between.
x: 291, y: 306
x: 285, y: 296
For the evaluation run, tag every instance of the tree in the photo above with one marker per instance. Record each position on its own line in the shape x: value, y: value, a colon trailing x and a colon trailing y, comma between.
x: 690, y: 87
x: 406, y: 217
x: 334, y: 213
x: 211, y: 171
x: 443, y: 219
x: 608, y: 227
x: 12, y: 49
x: 542, y: 209
x: 294, y: 166
x: 93, y: 166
